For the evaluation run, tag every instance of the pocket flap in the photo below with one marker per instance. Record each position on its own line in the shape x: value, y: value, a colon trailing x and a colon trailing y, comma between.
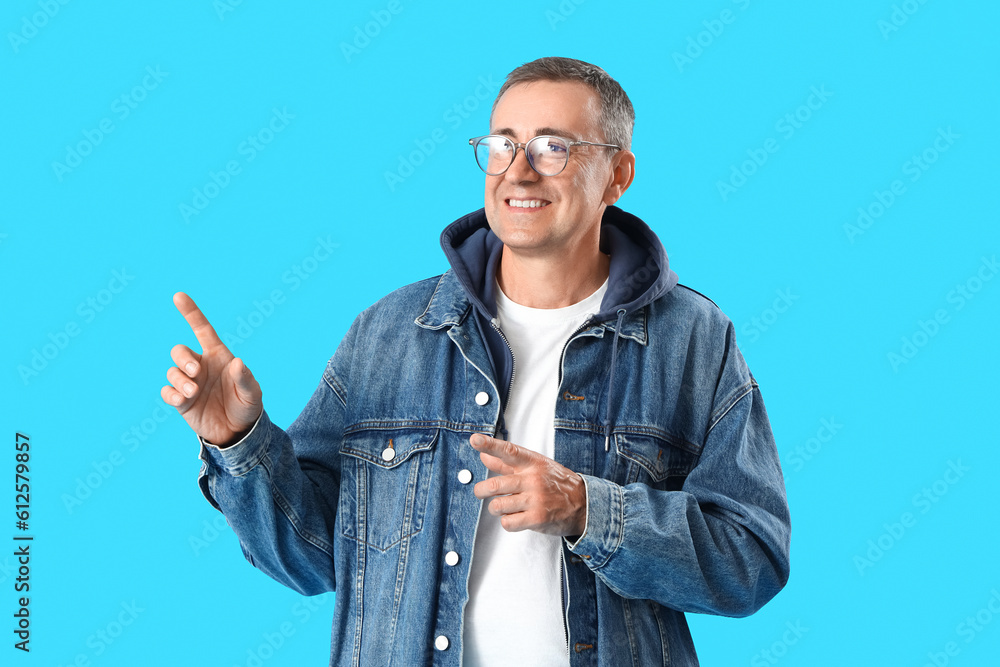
x: 660, y: 457
x: 387, y: 448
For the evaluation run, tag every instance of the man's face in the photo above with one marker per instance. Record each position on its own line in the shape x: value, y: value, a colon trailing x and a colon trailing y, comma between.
x: 566, y: 208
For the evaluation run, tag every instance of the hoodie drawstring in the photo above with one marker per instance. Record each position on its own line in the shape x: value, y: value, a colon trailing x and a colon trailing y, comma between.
x: 611, y: 378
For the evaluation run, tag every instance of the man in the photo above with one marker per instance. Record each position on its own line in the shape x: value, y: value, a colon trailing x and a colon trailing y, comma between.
x: 633, y: 476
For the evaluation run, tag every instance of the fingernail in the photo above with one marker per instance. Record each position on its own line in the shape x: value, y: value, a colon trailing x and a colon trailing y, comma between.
x: 192, y: 368
x: 188, y: 388
x: 176, y: 400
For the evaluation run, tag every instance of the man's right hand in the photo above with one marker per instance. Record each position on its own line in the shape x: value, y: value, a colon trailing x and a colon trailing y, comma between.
x: 216, y: 394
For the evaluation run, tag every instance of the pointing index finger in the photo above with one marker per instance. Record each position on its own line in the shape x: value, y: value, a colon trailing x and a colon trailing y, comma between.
x: 506, y: 451
x: 203, y: 331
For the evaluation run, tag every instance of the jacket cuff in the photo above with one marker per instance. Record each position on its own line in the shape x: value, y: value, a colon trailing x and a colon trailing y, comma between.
x: 237, y: 459
x: 605, y: 522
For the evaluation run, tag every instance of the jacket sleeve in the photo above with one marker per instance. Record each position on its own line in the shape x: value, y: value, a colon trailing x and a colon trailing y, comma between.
x: 720, y: 545
x: 279, y: 490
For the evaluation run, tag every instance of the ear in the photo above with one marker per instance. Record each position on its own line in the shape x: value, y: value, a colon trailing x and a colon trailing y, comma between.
x: 622, y: 173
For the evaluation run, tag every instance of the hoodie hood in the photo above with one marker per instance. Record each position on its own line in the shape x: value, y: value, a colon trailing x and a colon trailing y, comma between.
x: 638, y: 273
x: 639, y: 270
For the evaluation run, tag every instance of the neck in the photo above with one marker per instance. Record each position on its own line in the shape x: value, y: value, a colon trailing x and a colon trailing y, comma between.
x: 551, y: 282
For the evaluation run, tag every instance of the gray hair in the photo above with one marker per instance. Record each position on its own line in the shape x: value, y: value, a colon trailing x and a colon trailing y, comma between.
x: 617, y: 115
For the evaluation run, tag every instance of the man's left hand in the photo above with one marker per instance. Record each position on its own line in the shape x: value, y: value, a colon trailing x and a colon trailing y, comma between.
x: 531, y: 491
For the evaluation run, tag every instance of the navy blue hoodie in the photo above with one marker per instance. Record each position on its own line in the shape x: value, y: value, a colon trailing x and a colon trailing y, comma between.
x: 639, y: 273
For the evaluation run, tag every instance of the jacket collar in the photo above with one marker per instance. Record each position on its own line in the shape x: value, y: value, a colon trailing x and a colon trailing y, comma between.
x: 449, y: 306
x: 639, y: 273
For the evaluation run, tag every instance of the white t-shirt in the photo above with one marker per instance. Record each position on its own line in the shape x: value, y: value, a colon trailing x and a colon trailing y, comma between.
x: 514, y: 615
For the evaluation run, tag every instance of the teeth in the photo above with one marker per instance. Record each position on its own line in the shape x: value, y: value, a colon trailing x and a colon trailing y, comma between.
x: 528, y: 203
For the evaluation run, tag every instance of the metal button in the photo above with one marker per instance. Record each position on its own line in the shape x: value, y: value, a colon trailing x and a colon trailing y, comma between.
x: 451, y: 558
x: 441, y: 643
x: 464, y: 476
x: 482, y: 398
x: 388, y: 454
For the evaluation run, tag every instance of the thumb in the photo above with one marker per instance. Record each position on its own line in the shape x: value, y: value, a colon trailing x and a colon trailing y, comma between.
x: 246, y: 384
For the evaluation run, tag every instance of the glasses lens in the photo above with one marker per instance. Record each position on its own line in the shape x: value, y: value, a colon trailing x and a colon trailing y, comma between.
x: 548, y: 155
x: 494, y: 154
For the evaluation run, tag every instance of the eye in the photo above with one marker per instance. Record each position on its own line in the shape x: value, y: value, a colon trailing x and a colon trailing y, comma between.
x: 555, y: 146
x: 499, y: 145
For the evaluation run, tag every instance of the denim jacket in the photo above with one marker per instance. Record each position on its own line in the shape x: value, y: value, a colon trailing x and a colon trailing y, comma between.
x: 369, y: 492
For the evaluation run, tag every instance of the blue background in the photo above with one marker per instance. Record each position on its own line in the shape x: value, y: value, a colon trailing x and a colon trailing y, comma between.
x: 122, y: 533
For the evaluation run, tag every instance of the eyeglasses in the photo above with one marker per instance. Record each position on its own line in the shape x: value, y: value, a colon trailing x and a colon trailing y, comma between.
x: 546, y: 154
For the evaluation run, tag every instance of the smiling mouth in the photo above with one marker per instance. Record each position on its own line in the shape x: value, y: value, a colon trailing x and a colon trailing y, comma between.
x: 528, y: 203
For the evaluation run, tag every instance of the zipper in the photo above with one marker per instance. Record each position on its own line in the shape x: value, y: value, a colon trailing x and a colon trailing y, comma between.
x: 513, y: 365
x: 562, y: 355
x: 563, y: 585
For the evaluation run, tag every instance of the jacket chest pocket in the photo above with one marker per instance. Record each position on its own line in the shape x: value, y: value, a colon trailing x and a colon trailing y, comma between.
x: 652, y: 460
x: 386, y: 475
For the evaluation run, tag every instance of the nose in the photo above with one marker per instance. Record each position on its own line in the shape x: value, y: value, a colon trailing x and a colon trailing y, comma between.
x: 520, y: 170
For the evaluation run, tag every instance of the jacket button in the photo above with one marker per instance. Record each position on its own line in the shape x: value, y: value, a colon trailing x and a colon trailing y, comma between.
x: 482, y: 398
x: 451, y: 558
x: 464, y: 476
x: 441, y: 643
x: 388, y: 454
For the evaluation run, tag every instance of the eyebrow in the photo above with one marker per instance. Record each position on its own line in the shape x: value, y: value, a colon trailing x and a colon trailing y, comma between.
x: 559, y: 132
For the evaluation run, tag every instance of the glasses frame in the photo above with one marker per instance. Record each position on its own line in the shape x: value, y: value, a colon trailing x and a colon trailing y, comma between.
x: 475, y: 141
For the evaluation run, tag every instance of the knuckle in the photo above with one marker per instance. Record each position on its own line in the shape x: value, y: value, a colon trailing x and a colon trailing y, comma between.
x: 528, y: 482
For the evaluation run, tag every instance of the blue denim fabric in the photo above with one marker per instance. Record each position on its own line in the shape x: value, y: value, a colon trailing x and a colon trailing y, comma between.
x: 686, y: 508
